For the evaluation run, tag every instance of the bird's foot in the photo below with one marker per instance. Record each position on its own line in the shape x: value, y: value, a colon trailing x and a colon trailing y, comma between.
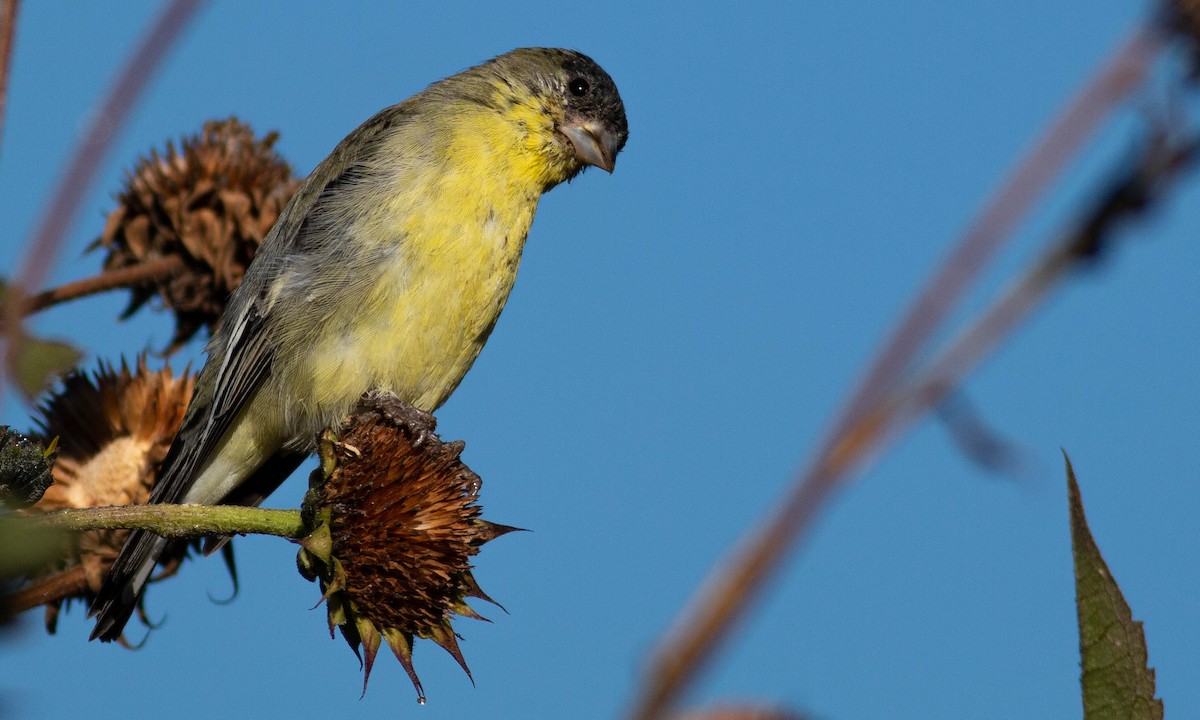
x: 420, y: 424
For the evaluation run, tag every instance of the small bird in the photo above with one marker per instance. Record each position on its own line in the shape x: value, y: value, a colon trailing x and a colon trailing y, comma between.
x: 386, y: 272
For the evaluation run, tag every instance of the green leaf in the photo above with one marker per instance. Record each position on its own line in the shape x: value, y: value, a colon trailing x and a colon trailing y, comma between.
x: 1117, y: 683
x: 35, y: 363
x: 25, y: 548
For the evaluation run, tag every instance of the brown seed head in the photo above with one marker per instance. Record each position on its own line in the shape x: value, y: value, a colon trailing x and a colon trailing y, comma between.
x: 114, y: 429
x: 401, y: 526
x: 209, y: 204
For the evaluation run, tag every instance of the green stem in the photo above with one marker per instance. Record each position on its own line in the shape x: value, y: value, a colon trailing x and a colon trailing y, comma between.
x: 180, y: 521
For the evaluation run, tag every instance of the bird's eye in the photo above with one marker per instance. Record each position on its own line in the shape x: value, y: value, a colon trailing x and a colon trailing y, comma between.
x: 579, y: 87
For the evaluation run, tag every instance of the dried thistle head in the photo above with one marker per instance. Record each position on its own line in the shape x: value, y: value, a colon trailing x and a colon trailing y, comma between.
x: 396, y: 526
x: 25, y: 469
x: 114, y: 428
x: 208, y: 204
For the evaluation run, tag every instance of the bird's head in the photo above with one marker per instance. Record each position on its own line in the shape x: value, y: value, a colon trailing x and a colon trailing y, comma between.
x: 566, y: 107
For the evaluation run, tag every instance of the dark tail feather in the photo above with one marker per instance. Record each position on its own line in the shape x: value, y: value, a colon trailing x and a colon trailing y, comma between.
x: 251, y: 493
x: 122, y: 589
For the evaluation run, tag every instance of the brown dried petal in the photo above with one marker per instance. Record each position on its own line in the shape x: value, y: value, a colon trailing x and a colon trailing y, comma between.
x: 403, y: 524
x: 204, y: 204
x: 114, y: 429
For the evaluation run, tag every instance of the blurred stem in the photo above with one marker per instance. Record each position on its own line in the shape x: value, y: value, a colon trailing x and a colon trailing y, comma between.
x: 177, y: 521
x: 866, y: 419
x: 895, y: 413
x: 133, y: 275
x: 56, y: 587
x: 1124, y: 71
x: 100, y: 133
x: 8, y: 34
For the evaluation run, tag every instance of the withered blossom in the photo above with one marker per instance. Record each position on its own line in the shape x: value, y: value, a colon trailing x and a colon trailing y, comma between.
x: 396, y: 527
x: 209, y: 204
x: 114, y: 428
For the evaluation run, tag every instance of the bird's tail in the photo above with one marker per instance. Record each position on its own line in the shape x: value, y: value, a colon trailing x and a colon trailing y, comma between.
x: 122, y: 589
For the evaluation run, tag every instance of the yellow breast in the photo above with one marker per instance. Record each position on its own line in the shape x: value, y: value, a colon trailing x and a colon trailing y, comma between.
x: 452, y: 235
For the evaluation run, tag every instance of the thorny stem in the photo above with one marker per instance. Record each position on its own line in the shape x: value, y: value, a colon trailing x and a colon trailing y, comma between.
x: 109, y: 280
x: 730, y: 589
x: 177, y: 521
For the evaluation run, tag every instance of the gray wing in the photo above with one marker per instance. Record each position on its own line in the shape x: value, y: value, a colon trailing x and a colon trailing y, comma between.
x: 240, y: 359
x: 241, y: 352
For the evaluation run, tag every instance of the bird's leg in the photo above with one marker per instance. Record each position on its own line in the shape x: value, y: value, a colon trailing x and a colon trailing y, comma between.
x: 420, y: 424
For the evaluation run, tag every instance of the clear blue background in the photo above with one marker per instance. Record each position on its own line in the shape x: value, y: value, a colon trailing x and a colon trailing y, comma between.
x: 679, y: 337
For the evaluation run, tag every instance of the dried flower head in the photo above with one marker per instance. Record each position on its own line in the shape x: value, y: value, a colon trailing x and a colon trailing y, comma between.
x: 114, y: 429
x: 396, y: 526
x: 208, y: 205
x: 25, y: 469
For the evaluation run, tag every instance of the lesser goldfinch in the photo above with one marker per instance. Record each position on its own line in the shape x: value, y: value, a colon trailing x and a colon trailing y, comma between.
x: 386, y: 271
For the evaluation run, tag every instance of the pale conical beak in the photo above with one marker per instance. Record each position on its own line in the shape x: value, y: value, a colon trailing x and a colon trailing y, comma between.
x: 594, y: 145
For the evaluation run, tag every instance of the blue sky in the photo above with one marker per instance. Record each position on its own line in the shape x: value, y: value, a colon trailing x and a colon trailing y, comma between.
x: 679, y: 337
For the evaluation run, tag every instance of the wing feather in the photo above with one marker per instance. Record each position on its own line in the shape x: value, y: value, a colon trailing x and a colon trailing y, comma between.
x: 241, y: 353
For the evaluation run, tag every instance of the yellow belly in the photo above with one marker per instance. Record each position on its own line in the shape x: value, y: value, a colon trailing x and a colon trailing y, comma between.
x: 417, y: 330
